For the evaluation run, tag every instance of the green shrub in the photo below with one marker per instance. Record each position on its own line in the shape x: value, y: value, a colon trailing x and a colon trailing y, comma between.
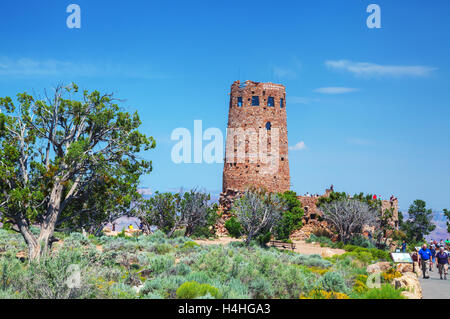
x: 291, y: 219
x: 366, y: 255
x: 161, y: 263
x: 333, y: 281
x: 361, y: 241
x: 261, y: 288
x: 193, y: 289
x: 310, y: 261
x: 190, y: 245
x: 386, y: 291
x: 163, y: 248
x: 263, y: 238
x: 233, y: 227
x: 182, y: 269
x: 164, y: 286
x: 325, y: 241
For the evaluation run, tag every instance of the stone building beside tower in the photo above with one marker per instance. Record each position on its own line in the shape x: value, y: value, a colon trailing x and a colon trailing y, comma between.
x: 256, y: 145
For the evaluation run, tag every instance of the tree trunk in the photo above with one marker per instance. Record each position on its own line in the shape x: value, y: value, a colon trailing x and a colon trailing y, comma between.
x: 41, y: 246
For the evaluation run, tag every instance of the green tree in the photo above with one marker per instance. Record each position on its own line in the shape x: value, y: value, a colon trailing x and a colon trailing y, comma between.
x: 161, y: 211
x: 199, y: 216
x: 292, y: 218
x: 419, y: 222
x: 67, y: 160
x: 447, y: 214
x: 190, y: 210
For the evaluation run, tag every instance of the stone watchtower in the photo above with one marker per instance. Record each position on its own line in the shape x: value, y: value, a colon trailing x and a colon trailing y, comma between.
x: 257, y: 146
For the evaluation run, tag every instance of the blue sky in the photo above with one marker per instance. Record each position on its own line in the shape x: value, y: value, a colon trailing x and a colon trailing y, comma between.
x: 371, y: 106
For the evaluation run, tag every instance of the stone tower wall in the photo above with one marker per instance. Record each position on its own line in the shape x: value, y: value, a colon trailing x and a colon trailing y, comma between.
x: 240, y: 173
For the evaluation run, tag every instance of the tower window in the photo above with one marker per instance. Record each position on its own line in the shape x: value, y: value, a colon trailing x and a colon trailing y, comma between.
x: 268, y: 126
x: 239, y: 101
x: 281, y: 102
x: 255, y: 100
x: 271, y: 101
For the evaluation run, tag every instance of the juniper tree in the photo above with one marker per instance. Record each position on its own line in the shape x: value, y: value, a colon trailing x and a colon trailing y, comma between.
x: 419, y: 221
x: 258, y: 212
x: 67, y: 161
x: 447, y: 214
x: 349, y: 216
x: 189, y: 210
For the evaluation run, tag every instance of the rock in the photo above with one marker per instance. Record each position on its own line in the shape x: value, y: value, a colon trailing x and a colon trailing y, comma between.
x: 137, y: 289
x: 378, y: 267
x: 416, y: 268
x: 402, y: 268
x: 410, y: 282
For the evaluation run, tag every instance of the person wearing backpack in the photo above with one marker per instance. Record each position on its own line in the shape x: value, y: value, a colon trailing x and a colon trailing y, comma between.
x: 442, y: 262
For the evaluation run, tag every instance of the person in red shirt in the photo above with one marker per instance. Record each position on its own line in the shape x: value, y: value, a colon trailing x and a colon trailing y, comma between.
x: 374, y: 197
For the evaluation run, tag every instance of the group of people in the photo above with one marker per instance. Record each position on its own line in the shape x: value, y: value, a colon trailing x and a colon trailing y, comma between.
x: 437, y: 253
x: 393, y: 199
x: 309, y: 195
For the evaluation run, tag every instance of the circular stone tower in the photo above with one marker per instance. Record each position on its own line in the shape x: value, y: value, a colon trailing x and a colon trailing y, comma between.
x: 257, y: 146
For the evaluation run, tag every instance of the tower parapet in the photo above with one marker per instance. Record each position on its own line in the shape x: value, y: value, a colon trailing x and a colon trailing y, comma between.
x: 257, y: 146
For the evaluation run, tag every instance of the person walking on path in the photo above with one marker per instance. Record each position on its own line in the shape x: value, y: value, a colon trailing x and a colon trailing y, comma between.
x: 404, y: 247
x: 442, y: 262
x: 425, y: 258
x: 433, y: 256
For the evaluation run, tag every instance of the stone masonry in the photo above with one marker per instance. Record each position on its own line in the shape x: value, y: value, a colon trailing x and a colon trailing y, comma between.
x: 256, y: 127
x: 312, y: 217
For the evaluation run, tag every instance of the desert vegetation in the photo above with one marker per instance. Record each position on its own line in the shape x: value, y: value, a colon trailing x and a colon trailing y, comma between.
x: 70, y: 164
x: 158, y: 266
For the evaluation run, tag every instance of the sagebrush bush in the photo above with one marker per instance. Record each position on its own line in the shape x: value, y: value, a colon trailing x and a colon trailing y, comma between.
x: 160, y: 263
x: 261, y: 288
x: 155, y: 266
x: 333, y: 281
x: 311, y: 261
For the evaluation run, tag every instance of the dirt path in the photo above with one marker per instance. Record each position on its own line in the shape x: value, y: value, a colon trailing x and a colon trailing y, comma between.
x: 300, y: 246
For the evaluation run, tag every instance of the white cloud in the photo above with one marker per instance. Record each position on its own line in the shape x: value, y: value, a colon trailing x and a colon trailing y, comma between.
x: 24, y: 67
x: 49, y: 67
x: 367, y: 69
x: 335, y: 90
x: 298, y: 147
x: 284, y: 72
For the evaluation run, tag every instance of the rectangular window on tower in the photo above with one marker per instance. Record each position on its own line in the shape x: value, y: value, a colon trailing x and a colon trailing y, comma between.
x: 270, y: 101
x: 281, y: 102
x: 239, y: 101
x: 255, y: 100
